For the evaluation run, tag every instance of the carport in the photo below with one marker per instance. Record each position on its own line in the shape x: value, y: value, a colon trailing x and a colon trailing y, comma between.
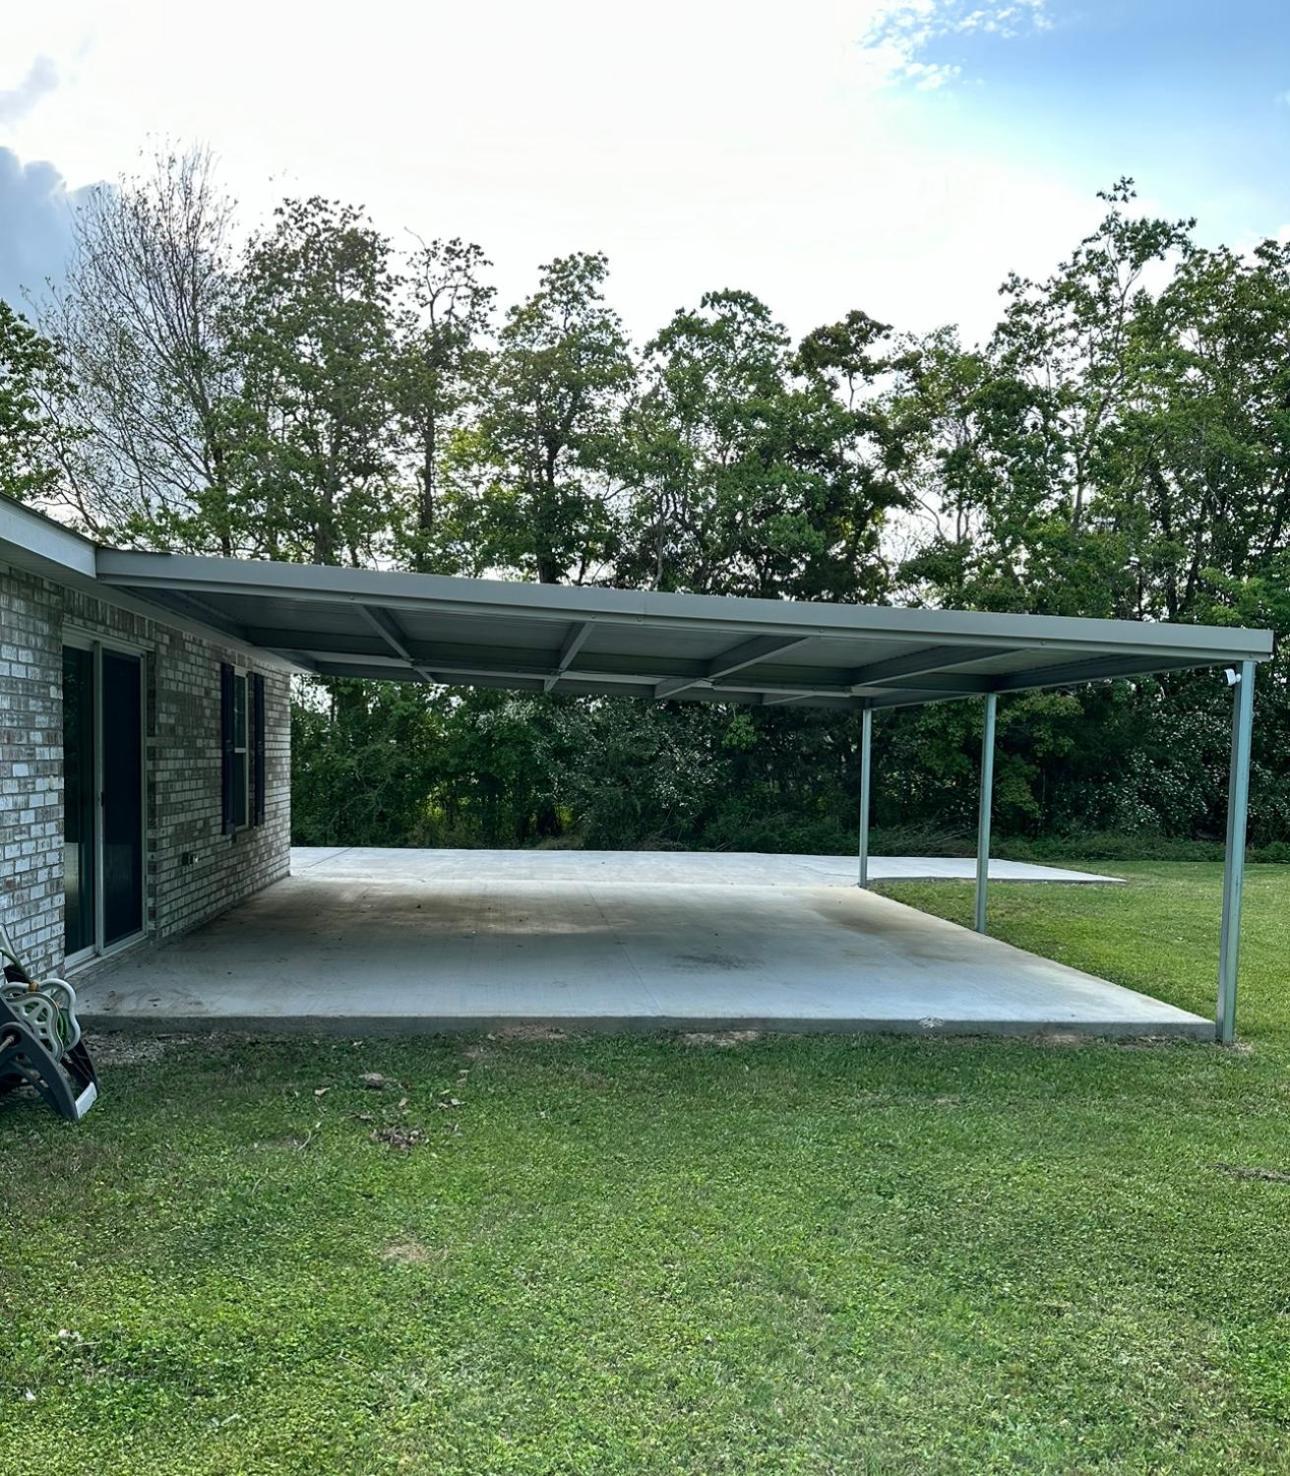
x: 380, y: 624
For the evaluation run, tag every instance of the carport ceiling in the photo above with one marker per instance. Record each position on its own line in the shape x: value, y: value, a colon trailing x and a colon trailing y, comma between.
x: 690, y: 648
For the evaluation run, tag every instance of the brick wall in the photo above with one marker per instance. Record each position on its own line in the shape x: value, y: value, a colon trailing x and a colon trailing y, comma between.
x: 31, y: 767
x: 192, y: 870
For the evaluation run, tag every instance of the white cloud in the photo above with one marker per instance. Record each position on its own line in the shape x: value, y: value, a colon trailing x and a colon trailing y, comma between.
x: 41, y: 78
x: 35, y: 227
x: 899, y: 31
x: 700, y: 146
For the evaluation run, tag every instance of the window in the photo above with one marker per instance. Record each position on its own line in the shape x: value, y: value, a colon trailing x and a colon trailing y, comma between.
x: 243, y: 751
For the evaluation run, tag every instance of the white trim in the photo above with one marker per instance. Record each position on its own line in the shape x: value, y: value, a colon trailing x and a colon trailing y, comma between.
x: 45, y: 546
x: 86, y: 636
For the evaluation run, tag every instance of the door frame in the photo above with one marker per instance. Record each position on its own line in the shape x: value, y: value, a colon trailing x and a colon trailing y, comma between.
x: 89, y: 640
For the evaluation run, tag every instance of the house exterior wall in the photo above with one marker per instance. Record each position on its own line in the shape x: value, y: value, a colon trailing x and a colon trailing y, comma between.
x: 192, y: 870
x: 31, y: 767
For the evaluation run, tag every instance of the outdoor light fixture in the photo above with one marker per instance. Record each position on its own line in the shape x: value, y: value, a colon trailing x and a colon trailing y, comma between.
x: 1233, y: 676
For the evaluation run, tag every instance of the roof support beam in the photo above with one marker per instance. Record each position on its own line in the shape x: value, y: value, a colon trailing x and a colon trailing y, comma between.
x: 747, y: 653
x: 200, y: 610
x: 391, y: 632
x: 934, y: 681
x: 918, y: 663
x: 428, y: 667
x: 385, y: 625
x: 573, y: 644
x: 1074, y: 672
x: 445, y: 671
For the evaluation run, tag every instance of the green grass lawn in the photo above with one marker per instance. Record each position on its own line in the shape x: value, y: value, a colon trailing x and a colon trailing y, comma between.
x: 639, y: 1255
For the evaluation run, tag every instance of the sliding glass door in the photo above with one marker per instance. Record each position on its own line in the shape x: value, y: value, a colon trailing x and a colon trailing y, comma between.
x: 103, y: 833
x: 80, y: 791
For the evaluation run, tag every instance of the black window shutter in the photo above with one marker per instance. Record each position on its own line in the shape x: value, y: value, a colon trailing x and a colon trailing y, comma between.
x: 258, y: 769
x: 226, y: 746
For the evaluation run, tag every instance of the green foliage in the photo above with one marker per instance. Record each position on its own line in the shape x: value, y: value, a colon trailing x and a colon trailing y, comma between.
x: 33, y: 385
x: 313, y: 338
x: 440, y: 366
x: 749, y: 476
x: 548, y: 433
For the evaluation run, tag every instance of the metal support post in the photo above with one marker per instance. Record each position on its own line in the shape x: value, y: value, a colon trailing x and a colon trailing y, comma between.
x: 866, y: 777
x: 983, y: 814
x: 1238, y: 794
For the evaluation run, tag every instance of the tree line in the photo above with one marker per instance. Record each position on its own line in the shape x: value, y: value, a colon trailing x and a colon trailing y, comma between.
x: 1118, y: 446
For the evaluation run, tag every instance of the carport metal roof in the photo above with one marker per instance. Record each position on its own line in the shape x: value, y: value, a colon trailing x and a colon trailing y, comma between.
x: 535, y: 637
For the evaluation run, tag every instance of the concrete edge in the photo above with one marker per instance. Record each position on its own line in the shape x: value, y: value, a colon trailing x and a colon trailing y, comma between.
x: 395, y: 1025
x: 1089, y: 880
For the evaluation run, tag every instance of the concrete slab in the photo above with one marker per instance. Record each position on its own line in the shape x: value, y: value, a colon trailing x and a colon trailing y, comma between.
x: 705, y: 868
x: 376, y: 948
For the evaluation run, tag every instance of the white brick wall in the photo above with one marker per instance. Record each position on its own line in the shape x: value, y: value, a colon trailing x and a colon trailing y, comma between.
x: 192, y: 870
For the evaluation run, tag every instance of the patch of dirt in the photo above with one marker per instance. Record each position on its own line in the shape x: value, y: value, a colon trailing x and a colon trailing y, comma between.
x: 1166, y: 1042
x: 722, y: 1039
x: 1264, y: 1175
x: 403, y: 1139
x: 120, y: 1049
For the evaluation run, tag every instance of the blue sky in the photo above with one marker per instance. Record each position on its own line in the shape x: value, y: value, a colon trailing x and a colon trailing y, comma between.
x: 895, y: 155
x: 1192, y: 97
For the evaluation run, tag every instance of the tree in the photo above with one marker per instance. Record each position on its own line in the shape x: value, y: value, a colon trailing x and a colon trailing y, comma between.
x: 1012, y: 440
x: 34, y: 385
x: 749, y: 475
x: 313, y: 342
x: 1120, y: 447
x: 1197, y: 468
x: 548, y: 432
x: 142, y: 318
x: 439, y: 366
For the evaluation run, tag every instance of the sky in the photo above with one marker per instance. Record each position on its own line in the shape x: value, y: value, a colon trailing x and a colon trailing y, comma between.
x: 899, y: 156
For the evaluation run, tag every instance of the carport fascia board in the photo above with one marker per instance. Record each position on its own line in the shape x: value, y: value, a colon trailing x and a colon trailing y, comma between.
x: 388, y: 589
